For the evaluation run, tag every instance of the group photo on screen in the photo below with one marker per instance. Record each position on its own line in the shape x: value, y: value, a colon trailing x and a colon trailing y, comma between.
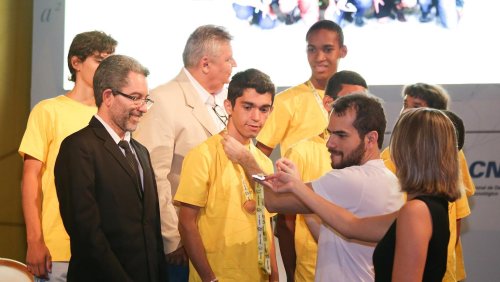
x: 270, y: 14
x: 388, y: 41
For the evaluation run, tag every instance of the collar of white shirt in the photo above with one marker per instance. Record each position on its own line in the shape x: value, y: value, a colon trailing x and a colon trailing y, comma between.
x: 206, y: 97
x: 111, y: 132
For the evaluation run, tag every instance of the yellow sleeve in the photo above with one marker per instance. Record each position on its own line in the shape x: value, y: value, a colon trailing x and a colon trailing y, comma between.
x: 194, y: 179
x: 297, y: 159
x: 470, y: 188
x: 276, y: 125
x: 38, y: 134
x: 311, y: 158
x: 462, y: 206
x: 386, y: 157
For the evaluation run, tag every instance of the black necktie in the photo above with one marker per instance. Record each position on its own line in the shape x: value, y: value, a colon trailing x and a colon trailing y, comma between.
x: 131, y: 159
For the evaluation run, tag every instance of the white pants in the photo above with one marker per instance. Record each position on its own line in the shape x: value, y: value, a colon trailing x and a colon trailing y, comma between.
x: 58, y: 274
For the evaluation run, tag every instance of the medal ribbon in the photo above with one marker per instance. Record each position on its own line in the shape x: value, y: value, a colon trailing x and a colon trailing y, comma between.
x: 246, y: 192
x: 318, y: 100
x: 262, y: 243
x: 324, y: 134
x: 264, y: 259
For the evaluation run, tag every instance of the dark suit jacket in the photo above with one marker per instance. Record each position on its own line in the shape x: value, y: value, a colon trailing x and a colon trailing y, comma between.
x: 114, y: 229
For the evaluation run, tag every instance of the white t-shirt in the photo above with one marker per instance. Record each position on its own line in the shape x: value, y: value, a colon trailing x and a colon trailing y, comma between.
x: 366, y: 190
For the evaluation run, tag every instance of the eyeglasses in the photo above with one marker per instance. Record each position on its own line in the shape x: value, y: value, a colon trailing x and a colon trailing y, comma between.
x: 136, y: 100
x: 220, y: 113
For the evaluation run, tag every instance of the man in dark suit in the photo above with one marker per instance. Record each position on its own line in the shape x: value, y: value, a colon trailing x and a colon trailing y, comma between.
x: 106, y: 186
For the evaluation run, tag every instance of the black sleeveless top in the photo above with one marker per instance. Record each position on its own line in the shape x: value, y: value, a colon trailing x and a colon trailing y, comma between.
x: 435, y: 263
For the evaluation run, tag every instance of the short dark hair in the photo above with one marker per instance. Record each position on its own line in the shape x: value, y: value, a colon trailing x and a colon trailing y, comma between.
x: 459, y: 127
x: 328, y: 25
x: 435, y: 96
x: 113, y: 72
x: 335, y: 82
x: 206, y: 39
x: 370, y: 114
x: 250, y: 78
x: 85, y: 44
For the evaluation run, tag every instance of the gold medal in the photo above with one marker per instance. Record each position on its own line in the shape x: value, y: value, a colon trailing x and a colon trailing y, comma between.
x: 249, y: 206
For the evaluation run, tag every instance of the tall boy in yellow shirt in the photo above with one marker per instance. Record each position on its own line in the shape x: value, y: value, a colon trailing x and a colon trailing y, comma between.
x: 220, y: 211
x: 49, y: 123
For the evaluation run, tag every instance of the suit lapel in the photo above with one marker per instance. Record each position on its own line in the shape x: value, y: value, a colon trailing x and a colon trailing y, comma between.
x: 114, y: 150
x: 193, y: 100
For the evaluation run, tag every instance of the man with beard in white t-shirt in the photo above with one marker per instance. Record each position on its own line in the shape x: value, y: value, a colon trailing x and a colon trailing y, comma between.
x: 359, y: 182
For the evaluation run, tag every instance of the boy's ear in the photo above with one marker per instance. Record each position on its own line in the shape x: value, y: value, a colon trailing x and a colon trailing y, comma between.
x: 327, y: 103
x: 228, y: 107
x: 343, y: 51
x: 75, y: 62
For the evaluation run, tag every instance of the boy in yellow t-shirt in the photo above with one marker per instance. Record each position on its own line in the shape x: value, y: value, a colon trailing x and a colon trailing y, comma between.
x: 298, y: 112
x: 225, y: 228
x: 49, y: 123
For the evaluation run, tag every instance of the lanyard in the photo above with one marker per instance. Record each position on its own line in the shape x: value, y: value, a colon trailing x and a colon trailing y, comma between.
x: 262, y: 243
x: 318, y: 100
x: 264, y: 259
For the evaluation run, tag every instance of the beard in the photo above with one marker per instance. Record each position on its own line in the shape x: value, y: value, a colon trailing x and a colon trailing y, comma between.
x: 124, y: 120
x: 352, y: 159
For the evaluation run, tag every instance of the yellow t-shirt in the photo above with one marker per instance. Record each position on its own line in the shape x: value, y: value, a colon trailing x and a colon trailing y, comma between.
x: 312, y: 160
x: 455, y: 270
x: 297, y: 115
x: 470, y: 188
x: 49, y: 123
x: 211, y: 181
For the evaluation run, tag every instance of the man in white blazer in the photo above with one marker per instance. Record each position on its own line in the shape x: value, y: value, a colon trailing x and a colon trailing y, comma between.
x: 188, y: 109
